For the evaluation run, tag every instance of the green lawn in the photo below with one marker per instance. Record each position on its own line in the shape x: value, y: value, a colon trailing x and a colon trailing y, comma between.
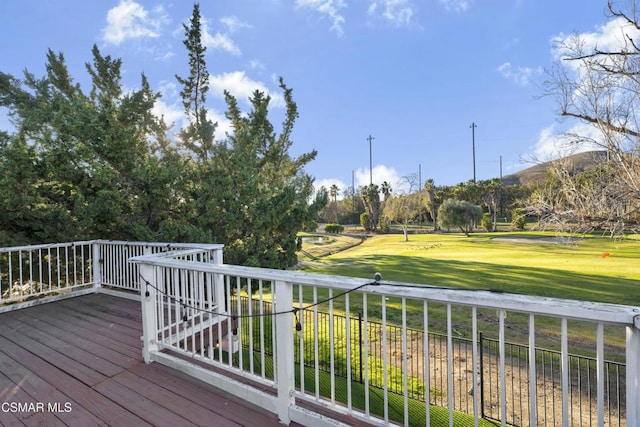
x: 500, y: 261
x: 322, y: 245
x: 416, y: 409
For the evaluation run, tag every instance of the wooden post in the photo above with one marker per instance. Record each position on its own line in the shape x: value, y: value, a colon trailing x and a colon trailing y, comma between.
x: 148, y: 300
x: 284, y: 347
x: 97, y: 265
x: 218, y: 285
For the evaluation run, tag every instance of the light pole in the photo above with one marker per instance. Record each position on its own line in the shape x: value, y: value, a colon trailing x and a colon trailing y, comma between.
x: 370, y: 138
x: 473, y: 147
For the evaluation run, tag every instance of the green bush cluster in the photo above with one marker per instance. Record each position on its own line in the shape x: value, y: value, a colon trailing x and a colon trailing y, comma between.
x: 518, y: 219
x: 334, y: 228
x: 486, y: 222
x: 364, y: 221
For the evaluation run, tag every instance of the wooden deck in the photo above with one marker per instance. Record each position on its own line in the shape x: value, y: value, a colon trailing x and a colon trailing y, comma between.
x: 78, y: 362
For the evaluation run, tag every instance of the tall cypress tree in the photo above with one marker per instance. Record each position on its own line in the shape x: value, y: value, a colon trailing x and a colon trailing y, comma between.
x: 198, y: 136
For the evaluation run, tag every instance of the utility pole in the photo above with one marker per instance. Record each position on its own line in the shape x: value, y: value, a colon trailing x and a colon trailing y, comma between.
x: 473, y: 147
x: 420, y: 193
x: 370, y: 138
x: 353, y: 194
x: 501, y: 204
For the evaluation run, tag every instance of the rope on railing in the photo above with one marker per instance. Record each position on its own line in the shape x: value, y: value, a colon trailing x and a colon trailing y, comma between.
x: 236, y: 316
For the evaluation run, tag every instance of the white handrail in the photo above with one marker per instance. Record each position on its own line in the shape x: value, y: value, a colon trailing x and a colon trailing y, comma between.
x: 596, y: 313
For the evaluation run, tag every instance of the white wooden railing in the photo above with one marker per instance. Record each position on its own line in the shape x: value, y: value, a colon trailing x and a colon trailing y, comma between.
x: 60, y: 270
x: 54, y: 270
x: 194, y: 321
x: 207, y: 334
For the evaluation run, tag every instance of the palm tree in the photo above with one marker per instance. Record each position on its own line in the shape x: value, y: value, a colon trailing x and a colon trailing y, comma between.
x: 433, y: 202
x: 333, y: 192
x: 386, y: 190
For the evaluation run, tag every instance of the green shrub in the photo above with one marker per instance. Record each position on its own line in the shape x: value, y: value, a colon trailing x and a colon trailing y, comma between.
x: 333, y: 228
x: 364, y: 221
x: 383, y: 224
x: 518, y: 219
x: 486, y: 222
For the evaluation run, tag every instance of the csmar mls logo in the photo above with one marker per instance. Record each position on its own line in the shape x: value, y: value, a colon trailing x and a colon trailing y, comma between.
x: 15, y: 407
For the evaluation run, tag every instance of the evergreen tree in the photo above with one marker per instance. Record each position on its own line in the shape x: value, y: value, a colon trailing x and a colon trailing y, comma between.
x: 198, y: 136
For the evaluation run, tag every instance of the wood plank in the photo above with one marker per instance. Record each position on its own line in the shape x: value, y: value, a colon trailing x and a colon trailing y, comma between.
x: 121, y: 307
x: 66, y: 319
x: 12, y: 393
x: 83, y: 396
x: 89, y: 332
x: 205, y: 394
x: 130, y: 335
x: 92, y: 345
x: 57, y: 352
x: 139, y: 404
x: 97, y: 363
x: 45, y: 393
x: 79, y: 305
x: 79, y: 371
x: 7, y: 419
x: 174, y: 401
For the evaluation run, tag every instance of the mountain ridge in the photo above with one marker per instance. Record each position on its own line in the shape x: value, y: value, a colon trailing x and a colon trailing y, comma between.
x: 579, y: 162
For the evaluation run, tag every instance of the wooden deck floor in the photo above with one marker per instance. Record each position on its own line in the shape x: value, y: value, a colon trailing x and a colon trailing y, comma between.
x: 78, y: 362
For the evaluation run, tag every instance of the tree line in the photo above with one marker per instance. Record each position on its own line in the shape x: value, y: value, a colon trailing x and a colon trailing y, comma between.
x: 100, y: 164
x: 568, y: 198
x: 381, y: 206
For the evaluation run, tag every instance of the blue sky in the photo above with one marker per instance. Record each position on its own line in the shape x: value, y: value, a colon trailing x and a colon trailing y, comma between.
x: 413, y: 74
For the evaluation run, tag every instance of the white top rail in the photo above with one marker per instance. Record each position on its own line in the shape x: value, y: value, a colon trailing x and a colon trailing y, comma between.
x: 570, y: 309
x: 168, y: 245
x: 45, y: 246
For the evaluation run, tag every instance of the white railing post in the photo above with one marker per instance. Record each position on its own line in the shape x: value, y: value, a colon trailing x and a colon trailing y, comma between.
x: 148, y: 298
x: 284, y: 347
x: 218, y: 281
x: 97, y: 265
x: 633, y: 373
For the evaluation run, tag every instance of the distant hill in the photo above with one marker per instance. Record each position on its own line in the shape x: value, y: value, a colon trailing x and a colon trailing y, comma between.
x: 580, y: 162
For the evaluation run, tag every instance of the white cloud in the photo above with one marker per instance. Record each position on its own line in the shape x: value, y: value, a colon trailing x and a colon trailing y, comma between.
x: 554, y: 143
x: 608, y: 37
x: 611, y: 90
x: 219, y: 41
x: 130, y: 20
x: 176, y: 119
x: 172, y: 109
x: 380, y: 174
x: 456, y: 5
x: 396, y: 12
x: 224, y: 125
x: 520, y: 75
x: 329, y: 9
x: 173, y: 114
x: 233, y: 24
x: 241, y: 86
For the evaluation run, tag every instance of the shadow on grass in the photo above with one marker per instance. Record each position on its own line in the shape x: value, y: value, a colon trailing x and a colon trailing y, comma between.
x: 536, y: 281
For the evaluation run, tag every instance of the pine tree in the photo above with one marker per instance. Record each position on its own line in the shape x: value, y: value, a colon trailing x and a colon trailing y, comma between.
x: 198, y: 136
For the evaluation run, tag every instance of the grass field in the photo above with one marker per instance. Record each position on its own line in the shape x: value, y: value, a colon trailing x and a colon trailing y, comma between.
x: 416, y: 410
x: 592, y: 268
